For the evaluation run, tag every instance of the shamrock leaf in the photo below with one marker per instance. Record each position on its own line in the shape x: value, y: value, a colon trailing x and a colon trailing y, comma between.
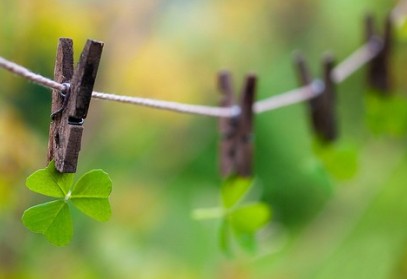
x: 52, y: 219
x: 90, y: 195
x: 49, y: 182
x: 224, y: 238
x: 243, y: 223
x: 340, y: 159
x: 233, y: 190
x: 401, y: 28
x: 250, y: 218
x: 239, y: 222
x: 386, y: 115
x: 246, y: 240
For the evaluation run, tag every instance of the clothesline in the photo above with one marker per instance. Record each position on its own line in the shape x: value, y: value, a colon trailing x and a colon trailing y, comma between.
x: 342, y: 71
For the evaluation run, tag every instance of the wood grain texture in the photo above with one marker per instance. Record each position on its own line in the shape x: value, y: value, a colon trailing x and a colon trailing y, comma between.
x: 227, y: 126
x: 244, y: 149
x: 66, y: 127
x: 324, y: 105
x: 84, y: 79
x: 236, y: 148
x: 63, y: 73
x: 378, y: 73
x: 322, y: 108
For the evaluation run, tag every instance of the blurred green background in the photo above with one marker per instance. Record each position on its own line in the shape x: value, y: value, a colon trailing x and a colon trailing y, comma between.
x: 339, y: 211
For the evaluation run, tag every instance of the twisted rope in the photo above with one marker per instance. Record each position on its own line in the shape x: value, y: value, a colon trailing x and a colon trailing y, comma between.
x: 351, y: 64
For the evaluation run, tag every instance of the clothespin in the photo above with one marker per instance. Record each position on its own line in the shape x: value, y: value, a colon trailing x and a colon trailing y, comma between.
x: 70, y: 108
x: 236, y: 146
x: 378, y: 75
x: 322, y: 107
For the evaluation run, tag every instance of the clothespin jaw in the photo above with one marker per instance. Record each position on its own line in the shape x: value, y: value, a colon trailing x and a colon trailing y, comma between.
x: 236, y: 147
x: 63, y: 72
x: 244, y: 152
x: 325, y: 109
x: 227, y: 126
x: 70, y: 108
x: 378, y: 75
x: 303, y: 73
x: 322, y: 107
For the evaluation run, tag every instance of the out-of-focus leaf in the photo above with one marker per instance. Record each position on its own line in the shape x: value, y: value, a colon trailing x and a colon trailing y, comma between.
x: 402, y: 28
x: 233, y: 190
x: 52, y: 219
x: 386, y: 115
x: 208, y: 213
x: 249, y: 218
x: 246, y: 221
x: 50, y: 182
x: 246, y: 240
x: 224, y: 238
x: 340, y: 159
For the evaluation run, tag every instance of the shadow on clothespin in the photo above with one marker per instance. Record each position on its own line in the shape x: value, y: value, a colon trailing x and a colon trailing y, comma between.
x: 378, y: 74
x: 236, y: 146
x: 322, y: 107
x: 70, y: 108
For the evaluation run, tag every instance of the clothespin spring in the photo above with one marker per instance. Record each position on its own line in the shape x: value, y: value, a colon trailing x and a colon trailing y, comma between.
x: 65, y: 97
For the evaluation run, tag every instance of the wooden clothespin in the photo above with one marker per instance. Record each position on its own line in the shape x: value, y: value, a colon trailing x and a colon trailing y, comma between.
x: 378, y: 74
x: 322, y: 107
x: 236, y: 147
x: 70, y: 108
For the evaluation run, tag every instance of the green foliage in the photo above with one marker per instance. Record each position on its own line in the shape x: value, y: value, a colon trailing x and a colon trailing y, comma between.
x: 233, y: 190
x: 402, y: 28
x: 53, y: 219
x: 250, y: 218
x: 172, y: 172
x: 240, y: 222
x: 386, y: 115
x: 49, y: 182
x: 91, y: 200
x: 339, y: 158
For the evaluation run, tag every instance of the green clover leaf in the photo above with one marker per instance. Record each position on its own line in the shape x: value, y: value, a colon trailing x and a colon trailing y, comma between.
x: 90, y: 195
x: 53, y: 219
x: 339, y: 158
x: 249, y: 218
x: 246, y: 221
x: 49, y: 182
x: 240, y: 222
x: 386, y: 116
x: 234, y: 189
x: 225, y: 241
x: 246, y: 240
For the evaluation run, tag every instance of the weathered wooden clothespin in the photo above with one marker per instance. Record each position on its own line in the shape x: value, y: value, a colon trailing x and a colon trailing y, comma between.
x: 322, y: 107
x: 70, y: 108
x: 378, y: 74
x: 236, y: 146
